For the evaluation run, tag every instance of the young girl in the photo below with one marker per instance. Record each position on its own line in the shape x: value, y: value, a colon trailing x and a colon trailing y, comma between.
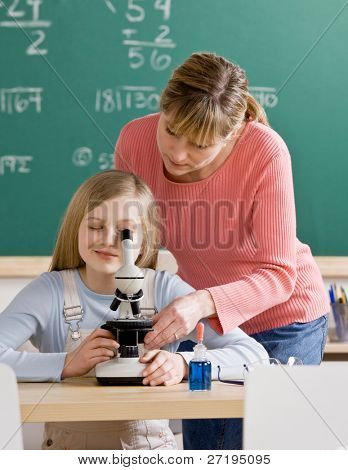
x: 88, y: 254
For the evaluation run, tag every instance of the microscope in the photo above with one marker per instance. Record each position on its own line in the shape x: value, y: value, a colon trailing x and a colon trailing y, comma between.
x: 131, y: 326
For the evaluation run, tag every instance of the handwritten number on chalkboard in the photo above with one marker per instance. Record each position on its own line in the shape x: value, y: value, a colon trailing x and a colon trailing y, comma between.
x: 159, y: 62
x: 106, y: 161
x: 36, y: 8
x: 165, y: 6
x: 108, y: 100
x: 33, y: 48
x: 14, y: 13
x: 138, y: 12
x: 161, y: 38
x: 133, y: 53
x: 12, y: 10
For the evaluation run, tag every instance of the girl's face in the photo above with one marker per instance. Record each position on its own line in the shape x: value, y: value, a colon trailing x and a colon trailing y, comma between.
x: 181, y: 156
x: 99, y: 234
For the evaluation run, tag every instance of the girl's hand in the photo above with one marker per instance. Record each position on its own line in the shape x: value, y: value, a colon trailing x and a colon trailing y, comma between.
x: 99, y: 346
x: 165, y: 368
x: 179, y: 318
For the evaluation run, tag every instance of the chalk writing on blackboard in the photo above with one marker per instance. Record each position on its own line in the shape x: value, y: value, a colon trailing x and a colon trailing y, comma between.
x: 109, y: 100
x: 20, y: 99
x: 158, y: 60
x: 15, y: 164
x: 266, y: 96
x: 17, y: 16
x: 83, y: 157
x: 106, y: 161
x: 163, y: 5
x: 110, y: 6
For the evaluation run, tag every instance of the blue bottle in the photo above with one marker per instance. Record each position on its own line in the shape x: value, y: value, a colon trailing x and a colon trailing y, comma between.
x: 200, y: 367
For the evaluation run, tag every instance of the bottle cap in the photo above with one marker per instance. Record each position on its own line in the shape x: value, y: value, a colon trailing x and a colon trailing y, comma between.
x: 200, y: 332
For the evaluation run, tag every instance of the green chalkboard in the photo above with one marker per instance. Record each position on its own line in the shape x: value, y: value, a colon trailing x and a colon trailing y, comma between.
x: 73, y: 72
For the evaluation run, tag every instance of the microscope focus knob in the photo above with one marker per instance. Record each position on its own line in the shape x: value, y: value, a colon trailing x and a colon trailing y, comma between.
x: 129, y: 351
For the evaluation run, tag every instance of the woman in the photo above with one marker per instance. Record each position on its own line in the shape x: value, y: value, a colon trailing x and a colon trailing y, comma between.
x: 223, y: 181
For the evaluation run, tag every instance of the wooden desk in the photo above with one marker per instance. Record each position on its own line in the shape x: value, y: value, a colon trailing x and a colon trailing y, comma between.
x: 82, y: 399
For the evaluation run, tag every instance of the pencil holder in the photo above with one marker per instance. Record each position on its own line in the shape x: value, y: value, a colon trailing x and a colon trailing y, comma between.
x: 340, y: 314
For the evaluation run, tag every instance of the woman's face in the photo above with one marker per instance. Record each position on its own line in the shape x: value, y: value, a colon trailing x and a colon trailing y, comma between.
x: 181, y: 156
x: 99, y: 234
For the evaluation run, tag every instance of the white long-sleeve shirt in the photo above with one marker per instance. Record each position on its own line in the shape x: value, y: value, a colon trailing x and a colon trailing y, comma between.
x: 36, y: 314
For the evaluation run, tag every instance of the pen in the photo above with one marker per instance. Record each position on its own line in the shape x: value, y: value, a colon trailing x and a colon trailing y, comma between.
x: 342, y: 296
x: 331, y: 294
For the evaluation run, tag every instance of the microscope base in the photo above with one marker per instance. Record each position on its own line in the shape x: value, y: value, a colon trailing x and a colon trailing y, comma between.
x: 120, y: 380
x: 120, y: 371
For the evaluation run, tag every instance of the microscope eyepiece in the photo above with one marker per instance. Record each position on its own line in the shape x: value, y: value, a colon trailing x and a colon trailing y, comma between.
x: 126, y: 234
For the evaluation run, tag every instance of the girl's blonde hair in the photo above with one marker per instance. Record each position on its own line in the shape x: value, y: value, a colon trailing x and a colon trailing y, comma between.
x: 207, y: 98
x: 92, y: 193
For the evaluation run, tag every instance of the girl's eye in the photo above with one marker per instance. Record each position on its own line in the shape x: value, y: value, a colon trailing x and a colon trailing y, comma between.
x: 96, y: 228
x: 169, y: 131
x: 201, y: 147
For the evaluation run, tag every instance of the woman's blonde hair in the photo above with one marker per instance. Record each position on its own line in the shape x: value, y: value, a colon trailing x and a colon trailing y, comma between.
x: 207, y: 98
x: 92, y: 193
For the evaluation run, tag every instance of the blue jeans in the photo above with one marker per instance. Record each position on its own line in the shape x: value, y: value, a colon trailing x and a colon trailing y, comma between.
x: 303, y: 340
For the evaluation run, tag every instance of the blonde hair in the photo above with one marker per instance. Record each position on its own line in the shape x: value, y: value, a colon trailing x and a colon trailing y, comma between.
x: 92, y: 193
x: 207, y: 98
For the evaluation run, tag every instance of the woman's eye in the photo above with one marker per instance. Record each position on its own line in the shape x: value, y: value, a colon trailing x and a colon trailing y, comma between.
x: 96, y: 228
x: 169, y: 131
x: 201, y: 147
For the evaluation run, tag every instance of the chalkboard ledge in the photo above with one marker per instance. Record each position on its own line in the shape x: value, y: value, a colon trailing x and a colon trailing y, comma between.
x: 23, y: 266
x: 32, y: 266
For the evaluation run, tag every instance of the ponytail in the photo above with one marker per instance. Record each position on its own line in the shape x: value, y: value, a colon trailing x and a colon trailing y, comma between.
x: 255, y: 111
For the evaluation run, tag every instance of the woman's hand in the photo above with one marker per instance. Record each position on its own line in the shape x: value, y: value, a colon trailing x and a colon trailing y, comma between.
x: 165, y: 368
x: 179, y: 318
x: 99, y: 346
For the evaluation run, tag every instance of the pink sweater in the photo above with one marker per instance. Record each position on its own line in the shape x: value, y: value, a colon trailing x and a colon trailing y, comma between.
x: 234, y: 233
